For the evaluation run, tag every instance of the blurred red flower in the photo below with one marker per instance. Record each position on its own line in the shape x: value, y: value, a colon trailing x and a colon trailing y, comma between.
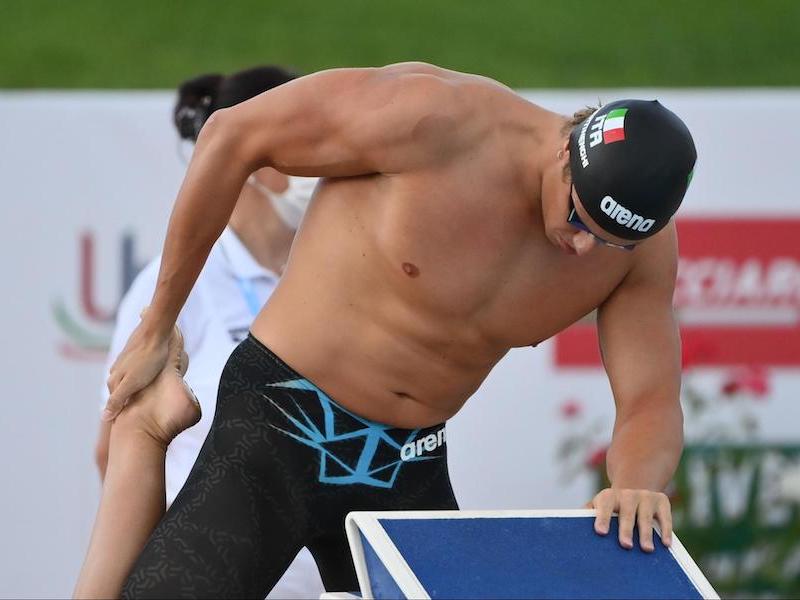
x: 730, y: 387
x: 751, y: 379
x: 597, y: 458
x: 571, y: 409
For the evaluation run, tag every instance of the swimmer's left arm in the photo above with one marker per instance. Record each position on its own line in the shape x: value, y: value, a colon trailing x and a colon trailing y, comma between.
x: 640, y: 345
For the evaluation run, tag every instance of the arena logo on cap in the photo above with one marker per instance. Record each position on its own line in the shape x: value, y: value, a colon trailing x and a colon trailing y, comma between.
x: 625, y: 217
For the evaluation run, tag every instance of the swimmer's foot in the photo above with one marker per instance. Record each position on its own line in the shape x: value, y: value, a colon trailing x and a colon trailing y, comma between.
x: 167, y: 406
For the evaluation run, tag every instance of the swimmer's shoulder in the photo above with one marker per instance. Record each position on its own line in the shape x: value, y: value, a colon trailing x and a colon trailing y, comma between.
x: 471, y: 104
x: 655, y: 261
x: 462, y: 90
x: 439, y: 76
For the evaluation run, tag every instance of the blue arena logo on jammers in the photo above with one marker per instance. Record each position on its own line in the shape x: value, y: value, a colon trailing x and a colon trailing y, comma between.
x: 429, y: 443
x: 370, y: 466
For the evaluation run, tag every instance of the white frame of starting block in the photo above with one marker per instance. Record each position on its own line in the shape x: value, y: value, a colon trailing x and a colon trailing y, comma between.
x: 367, y: 524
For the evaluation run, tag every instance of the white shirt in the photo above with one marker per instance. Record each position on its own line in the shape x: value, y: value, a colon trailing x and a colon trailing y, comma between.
x: 215, y: 318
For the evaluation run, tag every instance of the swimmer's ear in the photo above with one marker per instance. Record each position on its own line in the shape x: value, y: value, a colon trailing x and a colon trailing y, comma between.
x: 563, y: 158
x: 566, y: 170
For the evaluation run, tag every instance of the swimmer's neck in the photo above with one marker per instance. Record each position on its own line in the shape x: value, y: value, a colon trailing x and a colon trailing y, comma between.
x: 538, y: 136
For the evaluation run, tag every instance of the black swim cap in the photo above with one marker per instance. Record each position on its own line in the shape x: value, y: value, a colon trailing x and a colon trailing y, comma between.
x: 631, y: 164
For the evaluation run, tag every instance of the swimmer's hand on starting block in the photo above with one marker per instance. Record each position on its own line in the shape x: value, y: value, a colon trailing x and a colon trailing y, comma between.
x: 142, y: 359
x: 634, y: 507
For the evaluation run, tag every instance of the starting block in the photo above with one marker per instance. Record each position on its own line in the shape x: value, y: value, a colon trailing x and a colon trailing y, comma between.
x: 511, y: 554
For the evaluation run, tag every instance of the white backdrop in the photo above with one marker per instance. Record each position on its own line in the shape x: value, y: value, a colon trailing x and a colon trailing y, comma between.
x: 104, y: 167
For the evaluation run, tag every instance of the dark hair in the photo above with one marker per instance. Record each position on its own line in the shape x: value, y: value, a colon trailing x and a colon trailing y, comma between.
x: 200, y: 96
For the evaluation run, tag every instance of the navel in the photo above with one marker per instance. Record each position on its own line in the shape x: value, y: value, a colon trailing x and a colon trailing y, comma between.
x: 410, y: 269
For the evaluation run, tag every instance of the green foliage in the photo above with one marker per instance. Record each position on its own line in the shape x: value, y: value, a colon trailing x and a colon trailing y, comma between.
x: 734, y: 512
x: 734, y: 519
x: 524, y: 43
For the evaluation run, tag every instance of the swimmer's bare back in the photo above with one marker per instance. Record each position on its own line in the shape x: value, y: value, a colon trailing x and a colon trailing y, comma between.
x: 423, y: 258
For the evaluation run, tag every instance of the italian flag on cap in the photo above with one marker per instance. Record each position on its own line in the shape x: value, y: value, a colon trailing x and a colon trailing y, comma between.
x: 614, y: 126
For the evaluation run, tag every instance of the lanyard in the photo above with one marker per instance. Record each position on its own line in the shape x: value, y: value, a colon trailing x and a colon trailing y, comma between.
x: 250, y: 297
x: 246, y: 288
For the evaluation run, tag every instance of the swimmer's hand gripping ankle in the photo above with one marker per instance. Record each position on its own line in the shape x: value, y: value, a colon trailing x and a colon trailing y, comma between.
x: 142, y: 359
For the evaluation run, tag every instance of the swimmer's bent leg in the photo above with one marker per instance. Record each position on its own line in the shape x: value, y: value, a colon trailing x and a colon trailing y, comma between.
x: 131, y: 505
x: 280, y: 469
x: 132, y: 500
x: 231, y: 531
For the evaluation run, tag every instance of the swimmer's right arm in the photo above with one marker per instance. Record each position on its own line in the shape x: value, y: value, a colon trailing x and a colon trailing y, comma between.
x: 338, y: 123
x: 350, y: 122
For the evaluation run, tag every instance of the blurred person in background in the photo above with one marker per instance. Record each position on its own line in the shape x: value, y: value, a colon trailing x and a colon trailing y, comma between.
x: 243, y: 268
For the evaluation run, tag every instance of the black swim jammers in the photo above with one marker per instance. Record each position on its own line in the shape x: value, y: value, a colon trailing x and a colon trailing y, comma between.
x: 281, y: 467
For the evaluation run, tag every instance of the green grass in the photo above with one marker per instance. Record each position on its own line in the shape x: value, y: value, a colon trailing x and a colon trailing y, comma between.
x: 525, y: 43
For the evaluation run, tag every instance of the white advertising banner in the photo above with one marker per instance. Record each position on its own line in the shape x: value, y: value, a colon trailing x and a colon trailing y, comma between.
x: 88, y: 180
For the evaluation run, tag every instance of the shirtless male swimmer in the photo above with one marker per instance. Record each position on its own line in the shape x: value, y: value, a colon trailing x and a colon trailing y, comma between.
x: 456, y: 221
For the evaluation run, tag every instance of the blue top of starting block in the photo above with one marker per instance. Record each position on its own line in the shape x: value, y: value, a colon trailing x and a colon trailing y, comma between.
x: 550, y: 557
